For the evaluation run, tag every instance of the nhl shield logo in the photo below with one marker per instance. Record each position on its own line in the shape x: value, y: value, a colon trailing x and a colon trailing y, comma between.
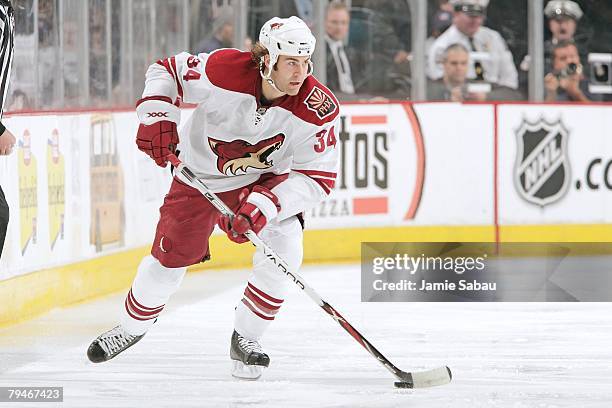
x: 542, y: 170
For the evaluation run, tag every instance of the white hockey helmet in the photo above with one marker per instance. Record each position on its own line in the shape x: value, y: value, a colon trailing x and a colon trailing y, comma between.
x: 286, y: 36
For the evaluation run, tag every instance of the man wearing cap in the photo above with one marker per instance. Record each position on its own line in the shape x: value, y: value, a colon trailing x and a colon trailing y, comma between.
x: 494, y: 64
x: 563, y: 16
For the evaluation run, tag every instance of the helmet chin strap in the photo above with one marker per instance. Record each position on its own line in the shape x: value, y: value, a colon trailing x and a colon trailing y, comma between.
x: 268, y: 77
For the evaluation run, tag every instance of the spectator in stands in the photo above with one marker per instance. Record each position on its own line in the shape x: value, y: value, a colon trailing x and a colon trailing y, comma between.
x: 388, y: 69
x: 453, y: 84
x: 247, y: 44
x: 303, y: 9
x: 98, y: 74
x: 222, y: 35
x: 337, y: 19
x: 566, y: 81
x: 19, y: 101
x: 393, y: 33
x: 441, y: 20
x: 563, y: 16
x: 491, y: 60
x: 445, y: 6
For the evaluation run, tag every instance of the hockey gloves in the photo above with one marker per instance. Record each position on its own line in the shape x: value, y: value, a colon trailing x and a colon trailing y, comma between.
x: 254, y: 212
x: 157, y: 134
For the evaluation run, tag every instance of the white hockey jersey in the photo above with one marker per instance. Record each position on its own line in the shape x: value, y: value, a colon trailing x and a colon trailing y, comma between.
x: 231, y: 139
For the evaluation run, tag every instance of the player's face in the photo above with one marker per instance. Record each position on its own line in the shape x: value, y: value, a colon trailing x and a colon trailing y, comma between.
x: 466, y: 23
x: 290, y: 73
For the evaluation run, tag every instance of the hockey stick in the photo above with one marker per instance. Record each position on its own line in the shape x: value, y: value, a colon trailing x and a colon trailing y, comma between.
x: 421, y: 379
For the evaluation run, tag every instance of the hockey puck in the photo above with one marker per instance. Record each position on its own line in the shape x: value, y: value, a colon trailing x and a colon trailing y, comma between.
x: 402, y: 384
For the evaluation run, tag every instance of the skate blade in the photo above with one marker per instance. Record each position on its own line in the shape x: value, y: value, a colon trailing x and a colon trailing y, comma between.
x: 246, y: 372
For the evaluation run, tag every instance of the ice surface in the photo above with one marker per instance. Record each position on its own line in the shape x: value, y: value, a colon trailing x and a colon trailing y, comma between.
x: 502, y: 354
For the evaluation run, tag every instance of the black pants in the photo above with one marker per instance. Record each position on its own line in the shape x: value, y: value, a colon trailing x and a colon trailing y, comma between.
x: 4, y: 219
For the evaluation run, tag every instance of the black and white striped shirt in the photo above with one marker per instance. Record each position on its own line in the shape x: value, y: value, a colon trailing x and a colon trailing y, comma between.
x: 7, y: 33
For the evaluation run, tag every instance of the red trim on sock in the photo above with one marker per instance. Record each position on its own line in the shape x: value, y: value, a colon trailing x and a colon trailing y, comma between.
x: 255, y: 311
x: 263, y: 294
x: 265, y: 307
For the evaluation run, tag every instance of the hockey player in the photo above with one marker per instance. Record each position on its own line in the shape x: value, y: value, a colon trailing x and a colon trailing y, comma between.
x: 263, y: 137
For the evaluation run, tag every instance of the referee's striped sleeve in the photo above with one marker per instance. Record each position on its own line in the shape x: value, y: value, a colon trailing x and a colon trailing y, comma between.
x: 7, y: 38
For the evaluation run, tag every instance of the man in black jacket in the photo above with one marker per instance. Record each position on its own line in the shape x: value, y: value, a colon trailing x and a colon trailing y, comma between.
x: 339, y: 75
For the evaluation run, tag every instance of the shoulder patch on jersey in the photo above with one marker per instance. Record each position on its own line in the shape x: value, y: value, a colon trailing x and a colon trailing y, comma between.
x: 320, y: 103
x: 314, y: 103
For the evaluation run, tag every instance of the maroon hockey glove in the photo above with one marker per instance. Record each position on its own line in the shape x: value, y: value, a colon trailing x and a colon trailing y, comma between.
x: 158, y: 140
x: 254, y: 212
x: 157, y: 135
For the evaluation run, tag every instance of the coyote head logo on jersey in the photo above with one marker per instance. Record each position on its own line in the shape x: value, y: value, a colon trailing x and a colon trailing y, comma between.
x: 239, y: 155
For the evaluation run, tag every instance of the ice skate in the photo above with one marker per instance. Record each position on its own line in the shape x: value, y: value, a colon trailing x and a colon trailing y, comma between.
x: 109, y: 344
x: 248, y: 359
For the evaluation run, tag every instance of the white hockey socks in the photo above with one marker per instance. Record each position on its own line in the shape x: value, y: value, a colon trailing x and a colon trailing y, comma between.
x: 267, y: 286
x: 151, y: 289
x: 255, y: 312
